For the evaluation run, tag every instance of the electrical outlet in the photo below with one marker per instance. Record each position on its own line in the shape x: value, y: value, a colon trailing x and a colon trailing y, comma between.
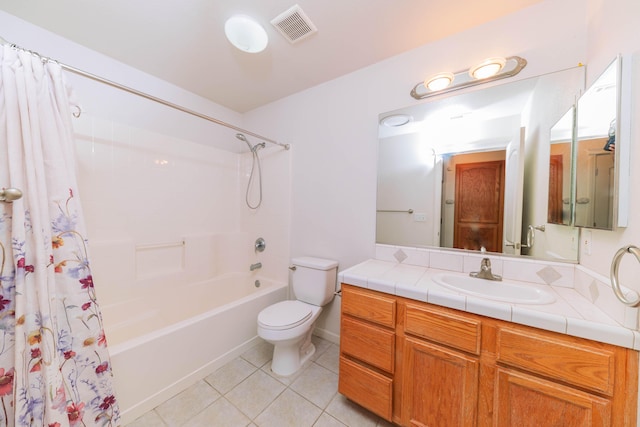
x: 586, y: 242
x: 419, y: 217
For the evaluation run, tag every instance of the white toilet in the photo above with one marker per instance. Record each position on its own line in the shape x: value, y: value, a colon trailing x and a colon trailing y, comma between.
x: 288, y: 324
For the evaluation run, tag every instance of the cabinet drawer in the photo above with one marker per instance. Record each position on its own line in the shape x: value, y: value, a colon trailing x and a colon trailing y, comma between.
x: 369, y: 306
x: 443, y: 327
x: 564, y: 360
x: 371, y: 344
x: 365, y: 387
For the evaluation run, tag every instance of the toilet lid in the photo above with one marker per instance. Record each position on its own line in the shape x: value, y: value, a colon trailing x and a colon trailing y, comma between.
x: 284, y: 315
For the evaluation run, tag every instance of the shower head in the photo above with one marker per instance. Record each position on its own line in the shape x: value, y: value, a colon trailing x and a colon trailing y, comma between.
x: 241, y: 137
x: 254, y: 148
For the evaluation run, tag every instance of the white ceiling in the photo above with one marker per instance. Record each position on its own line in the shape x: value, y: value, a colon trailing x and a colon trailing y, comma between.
x: 183, y: 41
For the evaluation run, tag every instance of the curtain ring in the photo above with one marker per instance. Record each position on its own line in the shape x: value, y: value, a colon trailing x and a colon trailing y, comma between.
x: 78, y: 111
x: 615, y: 283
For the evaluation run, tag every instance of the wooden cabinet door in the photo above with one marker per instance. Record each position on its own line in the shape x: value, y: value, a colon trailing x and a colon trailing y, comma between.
x: 440, y: 386
x: 526, y: 401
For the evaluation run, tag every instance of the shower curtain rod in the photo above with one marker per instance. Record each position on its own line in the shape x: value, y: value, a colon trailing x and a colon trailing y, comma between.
x: 147, y: 96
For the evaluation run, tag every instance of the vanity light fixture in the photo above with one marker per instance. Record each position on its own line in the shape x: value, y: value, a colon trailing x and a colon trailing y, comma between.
x: 246, y: 34
x: 487, y: 71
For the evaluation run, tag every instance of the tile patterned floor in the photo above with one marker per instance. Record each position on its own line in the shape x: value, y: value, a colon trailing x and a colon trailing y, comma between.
x: 245, y: 392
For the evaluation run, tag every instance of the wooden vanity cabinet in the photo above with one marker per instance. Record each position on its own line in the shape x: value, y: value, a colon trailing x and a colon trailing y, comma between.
x: 452, y: 368
x: 367, y: 349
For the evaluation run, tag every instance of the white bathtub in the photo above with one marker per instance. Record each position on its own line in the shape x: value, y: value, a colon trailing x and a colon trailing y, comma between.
x: 166, y: 341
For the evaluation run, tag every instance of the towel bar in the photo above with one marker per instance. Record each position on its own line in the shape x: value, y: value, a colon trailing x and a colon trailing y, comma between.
x: 409, y: 211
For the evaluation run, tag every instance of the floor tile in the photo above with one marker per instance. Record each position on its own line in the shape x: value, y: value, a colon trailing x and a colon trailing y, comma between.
x: 330, y: 359
x: 220, y: 414
x: 289, y: 410
x: 321, y: 346
x: 317, y: 384
x: 384, y: 423
x: 350, y: 414
x: 255, y: 393
x: 150, y: 419
x: 185, y: 405
x: 259, y: 354
x: 230, y: 375
x: 245, y: 393
x: 288, y: 380
x: 327, y: 420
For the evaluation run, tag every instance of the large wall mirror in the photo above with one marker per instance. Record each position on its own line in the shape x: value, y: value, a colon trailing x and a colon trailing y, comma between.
x: 471, y: 170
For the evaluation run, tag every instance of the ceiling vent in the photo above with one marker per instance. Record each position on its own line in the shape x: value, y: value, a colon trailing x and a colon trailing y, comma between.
x: 294, y: 25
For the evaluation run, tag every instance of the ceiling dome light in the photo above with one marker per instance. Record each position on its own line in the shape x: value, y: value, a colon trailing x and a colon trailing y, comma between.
x: 246, y: 34
x: 396, y: 120
x: 439, y: 81
x: 487, y: 68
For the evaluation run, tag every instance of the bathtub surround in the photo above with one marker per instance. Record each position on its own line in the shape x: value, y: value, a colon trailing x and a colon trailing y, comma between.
x: 54, y: 364
x: 174, y: 246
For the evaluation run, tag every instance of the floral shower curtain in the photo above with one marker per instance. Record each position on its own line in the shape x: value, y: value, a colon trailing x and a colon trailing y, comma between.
x: 54, y: 365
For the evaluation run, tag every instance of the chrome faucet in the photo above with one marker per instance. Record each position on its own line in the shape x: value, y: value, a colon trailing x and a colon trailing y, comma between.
x: 485, y: 270
x: 255, y: 266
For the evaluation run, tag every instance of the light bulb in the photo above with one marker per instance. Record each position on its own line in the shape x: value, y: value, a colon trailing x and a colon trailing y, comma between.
x: 439, y: 81
x: 487, y: 68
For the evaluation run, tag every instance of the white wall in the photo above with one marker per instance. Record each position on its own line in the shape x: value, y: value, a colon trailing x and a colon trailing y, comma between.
x: 334, y: 126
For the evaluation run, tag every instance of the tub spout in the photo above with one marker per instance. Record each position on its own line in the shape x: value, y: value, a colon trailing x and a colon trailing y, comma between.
x: 255, y: 266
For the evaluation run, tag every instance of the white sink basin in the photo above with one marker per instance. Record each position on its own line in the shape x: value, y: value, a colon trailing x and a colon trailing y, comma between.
x: 506, y: 291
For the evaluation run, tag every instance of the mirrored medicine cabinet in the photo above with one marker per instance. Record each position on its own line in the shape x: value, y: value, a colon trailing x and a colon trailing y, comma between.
x: 470, y: 170
x: 589, y: 157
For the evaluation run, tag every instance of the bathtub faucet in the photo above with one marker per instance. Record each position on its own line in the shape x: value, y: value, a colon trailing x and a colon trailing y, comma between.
x: 255, y: 266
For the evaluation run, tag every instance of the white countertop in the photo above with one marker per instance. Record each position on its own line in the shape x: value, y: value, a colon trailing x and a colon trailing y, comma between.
x: 570, y: 314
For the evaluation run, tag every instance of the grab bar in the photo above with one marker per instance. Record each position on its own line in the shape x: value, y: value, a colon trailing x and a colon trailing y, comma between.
x: 160, y: 245
x: 10, y: 194
x: 409, y: 211
x: 615, y: 283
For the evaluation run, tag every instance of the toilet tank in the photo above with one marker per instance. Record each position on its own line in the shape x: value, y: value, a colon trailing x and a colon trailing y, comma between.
x: 314, y: 279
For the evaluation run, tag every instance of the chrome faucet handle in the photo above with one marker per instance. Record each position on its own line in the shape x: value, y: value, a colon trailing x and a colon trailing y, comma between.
x: 485, y: 271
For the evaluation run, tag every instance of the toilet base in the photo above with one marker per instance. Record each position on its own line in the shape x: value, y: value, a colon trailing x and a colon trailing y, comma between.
x: 288, y: 358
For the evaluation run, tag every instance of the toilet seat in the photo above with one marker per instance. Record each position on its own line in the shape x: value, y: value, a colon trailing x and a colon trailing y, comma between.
x: 284, y: 315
